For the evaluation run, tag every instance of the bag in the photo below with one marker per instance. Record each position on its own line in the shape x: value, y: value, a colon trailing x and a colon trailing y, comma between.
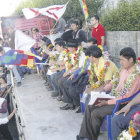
x: 82, y: 79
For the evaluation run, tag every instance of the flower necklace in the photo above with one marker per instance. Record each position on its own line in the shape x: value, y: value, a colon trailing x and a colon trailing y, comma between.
x: 54, y: 57
x: 128, y: 84
x: 83, y: 68
x: 76, y: 57
x: 97, y: 81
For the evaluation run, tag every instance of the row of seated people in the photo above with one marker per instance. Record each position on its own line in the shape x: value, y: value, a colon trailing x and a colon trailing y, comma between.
x: 73, y: 71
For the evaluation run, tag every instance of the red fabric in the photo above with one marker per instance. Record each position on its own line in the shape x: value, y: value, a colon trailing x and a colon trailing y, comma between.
x: 30, y: 57
x: 24, y: 61
x: 20, y: 51
x: 98, y: 32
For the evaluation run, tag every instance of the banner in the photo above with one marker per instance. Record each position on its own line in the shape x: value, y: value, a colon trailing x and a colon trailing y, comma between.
x: 23, y: 41
x: 16, y: 57
x: 54, y: 11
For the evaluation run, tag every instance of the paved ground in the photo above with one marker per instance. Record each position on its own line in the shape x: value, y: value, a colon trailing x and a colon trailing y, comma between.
x: 42, y: 116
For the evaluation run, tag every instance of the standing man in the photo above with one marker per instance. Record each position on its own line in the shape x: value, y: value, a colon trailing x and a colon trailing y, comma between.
x: 58, y: 31
x: 11, y: 32
x: 77, y: 33
x: 98, y: 32
x: 60, y: 27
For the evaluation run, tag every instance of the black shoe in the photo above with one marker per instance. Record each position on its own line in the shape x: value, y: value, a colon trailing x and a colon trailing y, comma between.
x: 78, y: 110
x: 49, y: 89
x: 81, y: 138
x: 18, y: 84
x: 54, y: 94
x: 68, y: 107
x: 59, y: 98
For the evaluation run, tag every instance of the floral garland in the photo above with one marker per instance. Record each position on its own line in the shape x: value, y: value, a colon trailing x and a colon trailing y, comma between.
x: 133, y: 128
x: 54, y: 58
x: 128, y: 84
x: 134, y: 125
x: 76, y: 58
x: 83, y: 68
x: 97, y: 81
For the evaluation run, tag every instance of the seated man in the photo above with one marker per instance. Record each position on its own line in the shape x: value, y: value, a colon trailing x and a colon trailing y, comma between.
x: 74, y: 86
x: 122, y: 118
x: 59, y: 67
x: 54, y: 56
x: 126, y: 84
x: 101, y: 69
x: 71, y: 63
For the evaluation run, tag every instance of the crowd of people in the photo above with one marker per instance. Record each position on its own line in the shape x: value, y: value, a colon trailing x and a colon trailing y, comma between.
x: 77, y: 64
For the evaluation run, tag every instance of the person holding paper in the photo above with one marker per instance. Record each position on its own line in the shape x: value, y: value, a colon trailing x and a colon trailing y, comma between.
x: 124, y: 84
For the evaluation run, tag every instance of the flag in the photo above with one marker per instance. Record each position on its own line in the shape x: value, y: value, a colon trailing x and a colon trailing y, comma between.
x: 54, y: 11
x: 84, y: 8
x: 30, y: 12
x: 23, y: 41
x: 16, y: 57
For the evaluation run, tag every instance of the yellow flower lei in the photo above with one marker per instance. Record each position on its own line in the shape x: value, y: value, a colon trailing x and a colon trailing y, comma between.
x: 76, y: 58
x: 97, y: 81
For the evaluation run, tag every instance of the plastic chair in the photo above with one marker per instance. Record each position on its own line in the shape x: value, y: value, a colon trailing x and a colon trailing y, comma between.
x: 108, y: 117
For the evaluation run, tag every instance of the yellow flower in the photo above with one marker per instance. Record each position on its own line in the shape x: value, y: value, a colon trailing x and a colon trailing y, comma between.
x: 132, y: 132
x: 70, y: 55
x: 64, y: 52
x: 101, y: 47
x: 131, y: 122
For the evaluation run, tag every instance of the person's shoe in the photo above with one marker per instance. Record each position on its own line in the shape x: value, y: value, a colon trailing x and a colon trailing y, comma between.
x: 29, y: 72
x: 49, y: 89
x: 54, y: 94
x: 59, y: 98
x: 68, y: 107
x: 18, y: 84
x: 81, y: 138
x: 64, y: 107
x: 78, y: 110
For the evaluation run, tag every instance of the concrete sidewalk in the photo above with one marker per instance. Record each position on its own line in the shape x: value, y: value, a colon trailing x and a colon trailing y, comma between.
x: 41, y: 114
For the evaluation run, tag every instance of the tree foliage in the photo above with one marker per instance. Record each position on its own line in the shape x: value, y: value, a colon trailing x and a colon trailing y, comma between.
x: 126, y: 17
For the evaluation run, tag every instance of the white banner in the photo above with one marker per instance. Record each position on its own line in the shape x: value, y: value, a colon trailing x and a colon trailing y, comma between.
x: 23, y: 41
x: 54, y: 11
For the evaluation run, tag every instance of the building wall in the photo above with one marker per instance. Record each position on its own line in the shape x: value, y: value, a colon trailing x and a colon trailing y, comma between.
x: 116, y: 40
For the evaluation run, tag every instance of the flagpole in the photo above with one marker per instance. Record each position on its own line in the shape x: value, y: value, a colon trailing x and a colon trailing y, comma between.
x: 88, y: 28
x: 59, y: 18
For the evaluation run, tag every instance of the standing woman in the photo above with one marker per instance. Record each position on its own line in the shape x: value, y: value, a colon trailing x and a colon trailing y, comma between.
x: 37, y: 36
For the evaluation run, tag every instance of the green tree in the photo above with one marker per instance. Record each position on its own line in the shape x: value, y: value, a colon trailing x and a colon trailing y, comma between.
x: 126, y: 17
